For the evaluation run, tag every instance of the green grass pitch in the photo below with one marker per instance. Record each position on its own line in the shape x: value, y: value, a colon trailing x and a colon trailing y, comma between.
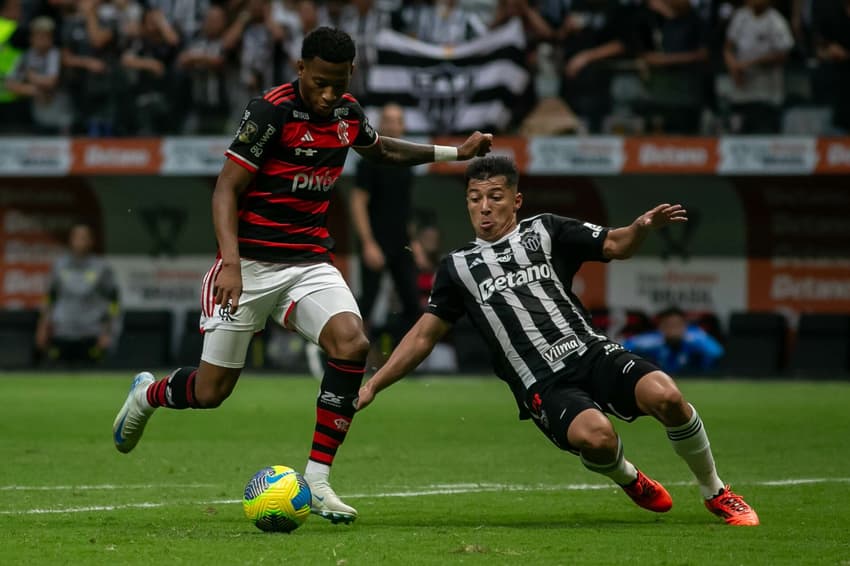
x: 440, y: 470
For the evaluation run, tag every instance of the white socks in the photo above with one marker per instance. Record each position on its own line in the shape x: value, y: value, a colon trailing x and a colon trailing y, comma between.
x: 314, y: 469
x: 620, y: 470
x: 691, y: 443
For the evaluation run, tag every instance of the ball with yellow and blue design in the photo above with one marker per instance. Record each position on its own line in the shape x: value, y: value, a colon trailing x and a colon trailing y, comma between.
x: 277, y: 499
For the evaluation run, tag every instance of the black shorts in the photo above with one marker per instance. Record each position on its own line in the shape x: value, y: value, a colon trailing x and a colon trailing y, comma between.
x: 605, y: 379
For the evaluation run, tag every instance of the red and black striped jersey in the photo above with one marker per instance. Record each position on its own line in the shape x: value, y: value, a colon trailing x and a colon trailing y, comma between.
x: 297, y: 157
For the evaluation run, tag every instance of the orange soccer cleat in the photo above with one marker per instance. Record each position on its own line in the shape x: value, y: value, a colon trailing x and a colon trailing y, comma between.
x: 732, y: 508
x: 649, y: 494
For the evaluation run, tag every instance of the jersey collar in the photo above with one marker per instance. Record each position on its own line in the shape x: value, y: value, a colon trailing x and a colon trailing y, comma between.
x: 480, y: 242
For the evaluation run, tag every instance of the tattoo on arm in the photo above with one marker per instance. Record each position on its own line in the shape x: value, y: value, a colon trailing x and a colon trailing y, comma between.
x: 400, y: 152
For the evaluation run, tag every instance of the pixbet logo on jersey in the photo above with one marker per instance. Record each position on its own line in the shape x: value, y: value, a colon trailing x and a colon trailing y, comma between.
x: 513, y: 280
x: 312, y: 182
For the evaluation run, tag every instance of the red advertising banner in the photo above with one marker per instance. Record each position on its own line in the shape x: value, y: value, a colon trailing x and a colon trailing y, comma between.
x: 800, y: 286
x: 833, y: 156
x: 590, y: 284
x: 670, y: 155
x: 116, y: 156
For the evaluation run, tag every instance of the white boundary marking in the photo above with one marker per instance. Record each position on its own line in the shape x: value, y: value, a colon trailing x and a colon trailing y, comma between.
x: 104, y: 487
x: 438, y: 489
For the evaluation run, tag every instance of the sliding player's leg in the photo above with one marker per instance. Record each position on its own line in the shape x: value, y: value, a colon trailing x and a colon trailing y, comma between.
x: 657, y: 395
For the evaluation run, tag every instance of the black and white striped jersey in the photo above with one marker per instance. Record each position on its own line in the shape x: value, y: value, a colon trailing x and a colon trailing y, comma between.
x: 518, y: 293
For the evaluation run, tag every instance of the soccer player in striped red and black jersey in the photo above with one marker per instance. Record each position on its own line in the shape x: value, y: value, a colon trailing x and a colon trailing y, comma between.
x: 563, y: 373
x: 270, y: 214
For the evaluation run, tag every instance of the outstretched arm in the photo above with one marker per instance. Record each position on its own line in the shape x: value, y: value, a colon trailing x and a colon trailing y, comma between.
x: 413, y: 348
x: 394, y: 151
x: 622, y: 243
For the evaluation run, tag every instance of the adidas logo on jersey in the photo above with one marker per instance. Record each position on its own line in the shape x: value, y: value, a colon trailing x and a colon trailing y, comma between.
x: 513, y: 280
x: 307, y: 137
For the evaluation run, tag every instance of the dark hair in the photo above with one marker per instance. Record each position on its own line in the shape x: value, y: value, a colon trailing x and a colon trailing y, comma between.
x: 331, y: 44
x: 670, y: 311
x: 493, y: 166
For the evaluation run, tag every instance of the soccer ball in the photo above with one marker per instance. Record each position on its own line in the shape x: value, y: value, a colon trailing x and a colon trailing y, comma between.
x: 277, y: 499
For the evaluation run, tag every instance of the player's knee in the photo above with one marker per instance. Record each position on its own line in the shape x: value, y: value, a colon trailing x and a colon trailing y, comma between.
x: 211, y: 395
x: 354, y: 348
x: 593, y: 435
x: 600, y: 440
x: 346, y: 341
x: 670, y: 406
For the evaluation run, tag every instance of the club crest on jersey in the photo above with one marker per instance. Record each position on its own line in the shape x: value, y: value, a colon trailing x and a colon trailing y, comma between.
x: 247, y: 132
x: 530, y: 241
x: 342, y: 132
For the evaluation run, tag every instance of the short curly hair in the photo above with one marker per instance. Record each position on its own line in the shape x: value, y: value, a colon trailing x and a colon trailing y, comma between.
x: 331, y: 44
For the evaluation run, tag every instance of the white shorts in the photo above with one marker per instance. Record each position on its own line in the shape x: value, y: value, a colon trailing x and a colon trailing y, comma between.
x: 299, y: 297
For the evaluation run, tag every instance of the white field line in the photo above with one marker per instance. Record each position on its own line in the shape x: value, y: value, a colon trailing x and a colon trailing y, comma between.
x: 104, y: 487
x: 440, y: 489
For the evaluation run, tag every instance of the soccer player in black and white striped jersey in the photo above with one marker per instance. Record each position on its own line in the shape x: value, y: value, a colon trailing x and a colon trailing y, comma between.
x: 514, y: 282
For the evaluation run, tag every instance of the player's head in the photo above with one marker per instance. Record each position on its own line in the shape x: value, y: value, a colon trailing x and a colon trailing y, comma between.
x: 758, y: 6
x: 215, y: 22
x: 672, y: 324
x: 392, y: 121
x: 81, y: 239
x: 492, y: 196
x: 41, y: 33
x: 324, y: 70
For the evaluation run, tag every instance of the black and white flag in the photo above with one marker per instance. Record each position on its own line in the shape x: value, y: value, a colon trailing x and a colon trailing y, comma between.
x: 450, y: 89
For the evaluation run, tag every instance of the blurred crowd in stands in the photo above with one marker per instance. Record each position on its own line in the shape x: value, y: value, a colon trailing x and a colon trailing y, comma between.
x: 155, y: 67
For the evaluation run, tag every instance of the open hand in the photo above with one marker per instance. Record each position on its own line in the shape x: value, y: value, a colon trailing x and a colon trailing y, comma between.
x: 662, y: 215
x: 365, y: 396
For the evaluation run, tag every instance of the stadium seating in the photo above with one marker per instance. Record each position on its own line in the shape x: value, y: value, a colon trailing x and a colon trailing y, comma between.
x: 145, y: 340
x: 823, y: 346
x: 17, y: 338
x: 756, y: 344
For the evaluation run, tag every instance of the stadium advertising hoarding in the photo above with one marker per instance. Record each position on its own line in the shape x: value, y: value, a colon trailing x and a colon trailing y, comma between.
x: 161, y: 283
x: 35, y: 215
x: 588, y: 155
x: 35, y: 156
x: 798, y: 243
x: 717, y: 285
x: 782, y: 239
